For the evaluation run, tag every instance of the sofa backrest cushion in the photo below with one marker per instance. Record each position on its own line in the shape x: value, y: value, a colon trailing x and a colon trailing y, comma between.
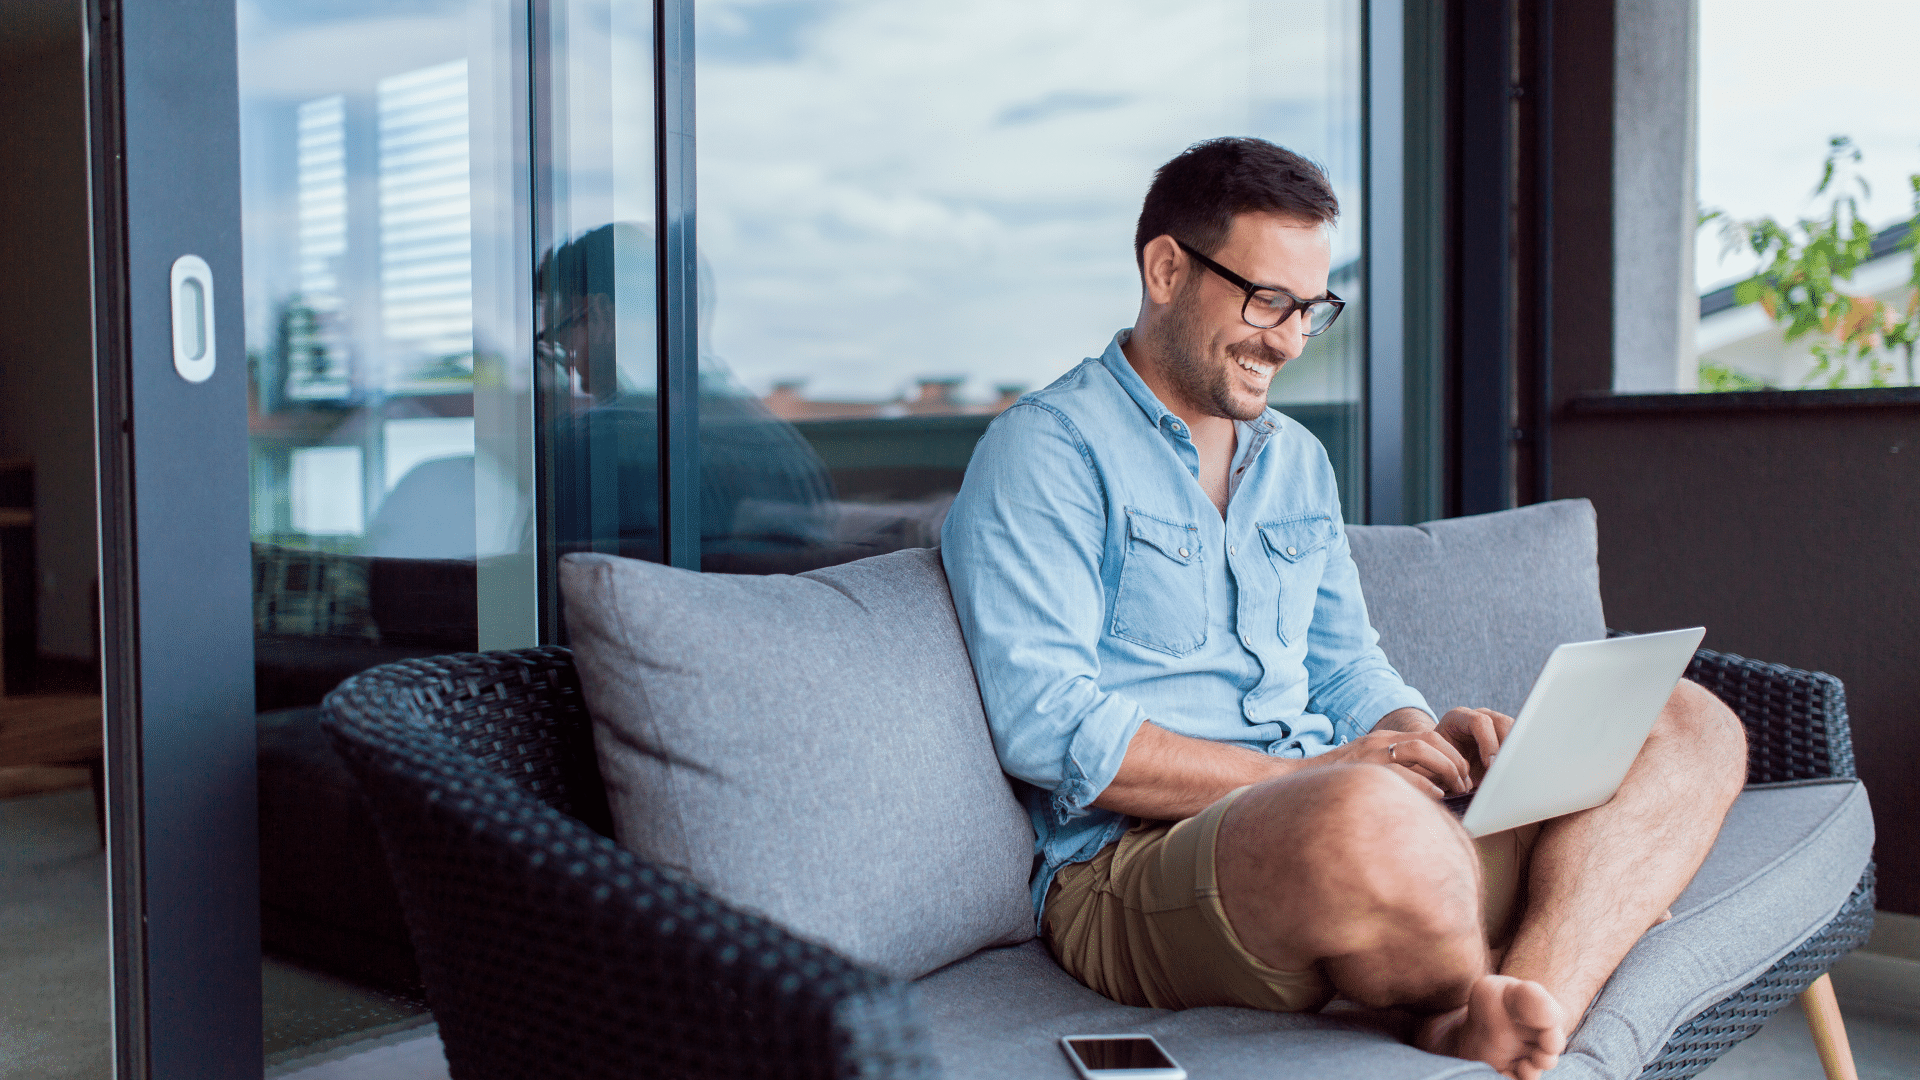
x: 1468, y: 609
x: 812, y: 747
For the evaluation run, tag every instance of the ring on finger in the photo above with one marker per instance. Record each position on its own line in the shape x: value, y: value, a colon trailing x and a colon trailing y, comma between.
x: 1391, y: 756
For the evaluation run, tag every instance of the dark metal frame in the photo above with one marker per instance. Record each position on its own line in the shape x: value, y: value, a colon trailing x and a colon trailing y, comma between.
x: 163, y: 118
x: 1420, y: 251
x: 1384, y: 243
x: 1501, y: 266
x: 1482, y: 265
x: 674, y: 190
x: 1539, y: 428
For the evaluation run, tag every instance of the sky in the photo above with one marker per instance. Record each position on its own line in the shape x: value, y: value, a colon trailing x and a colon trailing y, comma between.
x: 873, y: 211
x: 1777, y: 79
x: 876, y: 211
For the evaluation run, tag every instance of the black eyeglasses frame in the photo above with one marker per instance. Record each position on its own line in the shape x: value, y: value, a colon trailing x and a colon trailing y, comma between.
x: 1295, y: 303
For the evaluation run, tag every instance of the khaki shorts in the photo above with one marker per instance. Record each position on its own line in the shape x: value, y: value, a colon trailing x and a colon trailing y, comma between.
x: 1142, y: 922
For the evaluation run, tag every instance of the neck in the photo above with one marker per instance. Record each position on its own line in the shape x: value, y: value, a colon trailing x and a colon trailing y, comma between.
x: 1143, y: 353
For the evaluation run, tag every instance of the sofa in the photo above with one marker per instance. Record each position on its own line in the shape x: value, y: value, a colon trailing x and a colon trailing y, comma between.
x: 775, y: 753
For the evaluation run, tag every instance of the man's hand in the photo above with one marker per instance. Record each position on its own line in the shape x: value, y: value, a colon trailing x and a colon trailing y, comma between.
x: 1407, y: 738
x: 1477, y: 733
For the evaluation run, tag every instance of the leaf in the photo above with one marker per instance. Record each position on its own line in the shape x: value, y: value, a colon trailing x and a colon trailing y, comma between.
x: 1720, y: 379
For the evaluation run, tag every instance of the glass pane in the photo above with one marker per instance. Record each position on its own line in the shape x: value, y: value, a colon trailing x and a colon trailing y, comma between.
x: 595, y: 281
x: 1764, y: 145
x: 911, y: 214
x: 384, y: 197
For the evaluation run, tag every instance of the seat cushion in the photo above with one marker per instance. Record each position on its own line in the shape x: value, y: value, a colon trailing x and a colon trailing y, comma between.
x: 1003, y: 1012
x: 1468, y: 609
x: 1784, y: 864
x: 811, y: 747
x: 1786, y: 860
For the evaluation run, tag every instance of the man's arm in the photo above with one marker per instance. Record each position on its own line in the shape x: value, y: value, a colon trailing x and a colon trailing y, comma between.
x: 1023, y: 547
x: 1168, y: 777
x: 1351, y: 682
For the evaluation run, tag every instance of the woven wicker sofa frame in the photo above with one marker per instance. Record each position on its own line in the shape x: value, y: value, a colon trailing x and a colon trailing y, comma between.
x: 549, y: 951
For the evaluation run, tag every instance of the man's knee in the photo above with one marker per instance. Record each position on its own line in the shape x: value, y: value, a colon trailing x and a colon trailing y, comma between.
x: 1398, y: 882
x: 1365, y: 848
x: 1699, y: 726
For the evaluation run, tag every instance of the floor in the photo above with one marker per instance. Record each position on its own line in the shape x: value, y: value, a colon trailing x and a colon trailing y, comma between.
x: 54, y: 985
x: 54, y: 966
x: 1886, y: 1046
x: 54, y: 975
x: 407, y: 1055
x: 309, y: 1014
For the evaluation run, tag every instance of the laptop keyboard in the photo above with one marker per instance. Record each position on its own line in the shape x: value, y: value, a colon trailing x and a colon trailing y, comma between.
x: 1457, y: 804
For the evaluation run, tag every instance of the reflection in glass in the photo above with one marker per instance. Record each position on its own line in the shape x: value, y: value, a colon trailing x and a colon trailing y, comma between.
x: 765, y: 492
x: 914, y: 213
x: 383, y: 151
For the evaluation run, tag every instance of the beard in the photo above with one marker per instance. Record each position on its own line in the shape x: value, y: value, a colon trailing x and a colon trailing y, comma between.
x: 1184, y: 362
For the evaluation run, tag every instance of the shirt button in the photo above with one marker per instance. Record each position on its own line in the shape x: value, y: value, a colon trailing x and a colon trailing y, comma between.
x: 1231, y: 550
x: 1247, y: 640
x: 1183, y: 553
x: 1290, y: 551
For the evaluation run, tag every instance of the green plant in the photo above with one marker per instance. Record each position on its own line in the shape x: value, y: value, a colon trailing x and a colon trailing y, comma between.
x: 1720, y: 379
x: 1805, y: 266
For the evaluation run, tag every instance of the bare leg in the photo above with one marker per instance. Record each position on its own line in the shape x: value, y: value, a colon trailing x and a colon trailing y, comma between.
x: 1580, y: 920
x: 1386, y: 897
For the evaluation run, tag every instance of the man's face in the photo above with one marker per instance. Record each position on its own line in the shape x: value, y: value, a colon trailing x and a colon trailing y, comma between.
x: 1219, y: 363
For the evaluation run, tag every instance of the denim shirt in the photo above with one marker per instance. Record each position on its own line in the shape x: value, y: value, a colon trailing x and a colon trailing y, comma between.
x: 1098, y: 587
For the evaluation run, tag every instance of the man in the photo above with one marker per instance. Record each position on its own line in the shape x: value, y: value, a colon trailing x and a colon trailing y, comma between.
x: 1236, y: 797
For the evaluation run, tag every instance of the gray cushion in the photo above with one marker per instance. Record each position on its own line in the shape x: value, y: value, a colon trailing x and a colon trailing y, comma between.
x: 1785, y: 861
x: 1784, y: 864
x: 1002, y: 1013
x: 811, y: 747
x: 1468, y: 609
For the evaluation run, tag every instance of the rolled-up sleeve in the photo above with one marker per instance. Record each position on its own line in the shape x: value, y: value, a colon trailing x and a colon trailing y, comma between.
x: 1353, y: 683
x: 1022, y: 547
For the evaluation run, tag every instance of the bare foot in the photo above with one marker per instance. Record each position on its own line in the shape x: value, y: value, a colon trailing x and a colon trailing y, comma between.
x: 1511, y: 1024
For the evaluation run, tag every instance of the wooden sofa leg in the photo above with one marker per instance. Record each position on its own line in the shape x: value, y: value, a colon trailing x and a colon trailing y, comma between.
x: 1829, y: 1032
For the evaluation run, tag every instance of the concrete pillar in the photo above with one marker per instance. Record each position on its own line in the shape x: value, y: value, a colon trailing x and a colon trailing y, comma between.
x: 1656, y: 306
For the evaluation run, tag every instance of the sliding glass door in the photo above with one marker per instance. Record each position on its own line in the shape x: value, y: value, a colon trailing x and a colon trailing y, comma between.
x: 732, y: 284
x: 912, y: 214
x: 385, y: 164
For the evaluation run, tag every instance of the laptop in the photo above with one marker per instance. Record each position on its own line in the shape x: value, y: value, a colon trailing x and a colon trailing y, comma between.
x: 1583, y: 724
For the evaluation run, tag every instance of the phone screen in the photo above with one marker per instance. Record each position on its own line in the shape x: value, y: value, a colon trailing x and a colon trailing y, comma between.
x: 1133, y: 1053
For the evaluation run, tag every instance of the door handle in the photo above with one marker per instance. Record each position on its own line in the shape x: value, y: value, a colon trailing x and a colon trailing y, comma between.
x: 192, y: 293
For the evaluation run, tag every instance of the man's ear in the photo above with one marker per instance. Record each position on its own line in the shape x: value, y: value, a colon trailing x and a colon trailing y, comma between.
x: 1162, y: 266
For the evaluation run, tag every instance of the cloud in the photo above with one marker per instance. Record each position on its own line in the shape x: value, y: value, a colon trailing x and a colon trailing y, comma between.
x: 1058, y: 103
x: 915, y: 187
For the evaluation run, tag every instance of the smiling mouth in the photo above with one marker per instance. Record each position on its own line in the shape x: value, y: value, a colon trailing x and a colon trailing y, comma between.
x: 1259, y: 370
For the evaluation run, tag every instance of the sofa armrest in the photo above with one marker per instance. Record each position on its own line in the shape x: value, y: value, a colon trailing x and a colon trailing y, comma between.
x: 548, y: 951
x: 1796, y: 720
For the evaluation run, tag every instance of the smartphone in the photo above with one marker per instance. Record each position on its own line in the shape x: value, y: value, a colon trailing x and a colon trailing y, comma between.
x: 1120, y: 1057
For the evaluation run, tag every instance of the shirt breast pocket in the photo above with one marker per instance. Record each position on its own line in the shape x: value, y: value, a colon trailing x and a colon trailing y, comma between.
x: 1161, y: 601
x: 1297, y: 549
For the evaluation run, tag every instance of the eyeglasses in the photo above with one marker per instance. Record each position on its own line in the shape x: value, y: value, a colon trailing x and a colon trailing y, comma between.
x: 1267, y: 306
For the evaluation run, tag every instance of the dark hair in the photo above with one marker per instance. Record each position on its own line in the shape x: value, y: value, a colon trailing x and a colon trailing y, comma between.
x: 1196, y: 196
